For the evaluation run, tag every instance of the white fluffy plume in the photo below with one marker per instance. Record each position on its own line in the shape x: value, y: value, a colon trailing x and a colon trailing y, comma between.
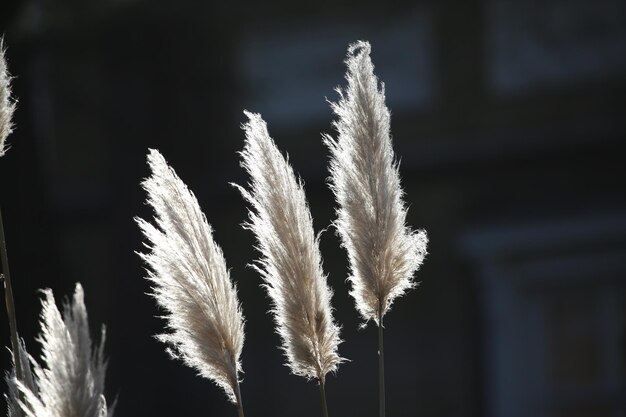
x: 70, y: 380
x: 384, y: 253
x: 7, y: 106
x: 190, y: 281
x: 291, y: 264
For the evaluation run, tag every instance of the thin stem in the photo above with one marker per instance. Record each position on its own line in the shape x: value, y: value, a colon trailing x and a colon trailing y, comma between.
x: 8, y: 296
x: 381, y: 368
x: 239, y: 402
x: 323, y: 399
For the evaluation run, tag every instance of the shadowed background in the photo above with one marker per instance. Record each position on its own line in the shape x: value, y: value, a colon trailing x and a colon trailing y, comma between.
x: 508, y: 118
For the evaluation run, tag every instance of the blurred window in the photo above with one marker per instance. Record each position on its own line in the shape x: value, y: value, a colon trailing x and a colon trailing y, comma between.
x: 554, y: 308
x: 287, y: 69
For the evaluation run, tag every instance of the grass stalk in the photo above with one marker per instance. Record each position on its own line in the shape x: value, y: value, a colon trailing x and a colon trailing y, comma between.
x: 8, y: 296
x: 239, y: 401
x: 381, y: 369
x: 323, y: 399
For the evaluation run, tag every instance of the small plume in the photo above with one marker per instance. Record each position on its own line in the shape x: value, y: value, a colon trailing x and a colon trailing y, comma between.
x: 190, y: 280
x: 70, y: 380
x: 384, y: 253
x: 7, y: 105
x: 291, y: 266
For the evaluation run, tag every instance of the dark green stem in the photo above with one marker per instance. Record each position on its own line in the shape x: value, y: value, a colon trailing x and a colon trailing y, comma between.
x: 381, y: 368
x: 323, y: 398
x: 239, y: 402
x: 8, y: 296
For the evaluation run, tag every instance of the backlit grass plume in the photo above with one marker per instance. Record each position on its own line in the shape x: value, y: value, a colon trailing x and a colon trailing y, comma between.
x: 291, y: 265
x: 70, y: 380
x: 191, y: 282
x: 383, y: 252
x: 7, y: 106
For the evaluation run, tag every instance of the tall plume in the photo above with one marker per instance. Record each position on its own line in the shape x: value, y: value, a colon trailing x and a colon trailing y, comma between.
x: 291, y: 266
x: 7, y: 105
x: 384, y: 253
x: 190, y: 281
x: 70, y: 380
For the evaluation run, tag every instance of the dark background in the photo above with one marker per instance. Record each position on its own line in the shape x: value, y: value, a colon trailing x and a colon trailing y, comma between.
x: 508, y: 118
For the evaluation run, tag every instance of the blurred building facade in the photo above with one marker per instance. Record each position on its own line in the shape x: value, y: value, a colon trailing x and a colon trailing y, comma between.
x: 508, y: 118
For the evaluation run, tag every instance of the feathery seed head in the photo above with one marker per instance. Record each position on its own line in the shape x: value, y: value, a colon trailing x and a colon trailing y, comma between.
x: 384, y: 253
x: 291, y: 264
x: 7, y: 105
x: 191, y: 281
x: 70, y: 380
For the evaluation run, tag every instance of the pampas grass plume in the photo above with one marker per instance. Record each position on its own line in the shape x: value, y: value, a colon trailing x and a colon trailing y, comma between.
x: 70, y: 380
x: 191, y: 282
x: 7, y: 106
x: 291, y: 264
x: 384, y: 253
